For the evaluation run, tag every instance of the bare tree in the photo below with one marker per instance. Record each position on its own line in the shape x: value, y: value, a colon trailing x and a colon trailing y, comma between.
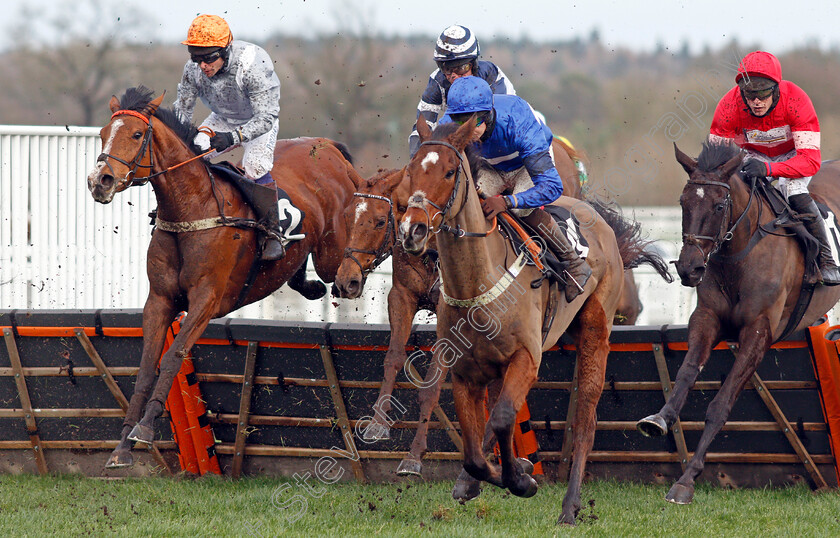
x: 70, y: 60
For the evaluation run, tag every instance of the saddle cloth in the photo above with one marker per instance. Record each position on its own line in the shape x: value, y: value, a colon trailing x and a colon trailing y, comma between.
x: 291, y: 217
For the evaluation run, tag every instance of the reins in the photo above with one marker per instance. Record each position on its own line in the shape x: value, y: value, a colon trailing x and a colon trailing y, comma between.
x: 722, y: 236
x: 145, y: 147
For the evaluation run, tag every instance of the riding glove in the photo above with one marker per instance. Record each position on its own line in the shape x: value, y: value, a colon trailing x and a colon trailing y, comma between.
x: 493, y: 206
x: 755, y: 168
x: 222, y: 141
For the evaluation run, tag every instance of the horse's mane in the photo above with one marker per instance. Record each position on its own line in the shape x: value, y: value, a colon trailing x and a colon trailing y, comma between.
x: 138, y: 99
x: 714, y: 155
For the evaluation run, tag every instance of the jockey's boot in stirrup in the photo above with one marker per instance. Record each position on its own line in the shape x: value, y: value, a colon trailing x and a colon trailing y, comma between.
x: 265, y: 204
x: 577, y: 269
x: 803, y: 203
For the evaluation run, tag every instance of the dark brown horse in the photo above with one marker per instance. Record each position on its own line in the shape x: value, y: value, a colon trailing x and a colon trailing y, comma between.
x: 207, y: 272
x: 746, y: 290
x: 490, y: 321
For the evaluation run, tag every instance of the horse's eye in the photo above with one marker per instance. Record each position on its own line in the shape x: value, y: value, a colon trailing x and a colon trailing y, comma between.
x: 719, y: 207
x: 401, y: 208
x: 381, y: 223
x: 138, y: 135
x: 450, y: 173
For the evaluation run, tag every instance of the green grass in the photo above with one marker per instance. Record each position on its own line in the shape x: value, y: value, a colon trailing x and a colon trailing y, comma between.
x: 75, y: 506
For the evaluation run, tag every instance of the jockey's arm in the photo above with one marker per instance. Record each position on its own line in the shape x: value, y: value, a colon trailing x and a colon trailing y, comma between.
x: 187, y: 95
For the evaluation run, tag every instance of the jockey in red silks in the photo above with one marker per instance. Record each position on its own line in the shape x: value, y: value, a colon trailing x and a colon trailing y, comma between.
x: 774, y: 121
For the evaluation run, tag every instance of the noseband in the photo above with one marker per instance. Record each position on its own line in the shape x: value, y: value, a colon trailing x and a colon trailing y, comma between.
x: 383, y: 251
x: 723, y: 234
x: 457, y: 231
x: 134, y: 164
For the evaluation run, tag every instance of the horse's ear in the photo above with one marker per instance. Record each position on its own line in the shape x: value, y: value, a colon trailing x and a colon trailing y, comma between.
x: 732, y: 165
x: 152, y: 107
x: 394, y: 179
x: 688, y: 164
x: 462, y: 136
x: 423, y: 129
x: 114, y: 104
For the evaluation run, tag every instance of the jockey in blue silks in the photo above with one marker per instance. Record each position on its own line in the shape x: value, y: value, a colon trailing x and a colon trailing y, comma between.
x: 522, y: 175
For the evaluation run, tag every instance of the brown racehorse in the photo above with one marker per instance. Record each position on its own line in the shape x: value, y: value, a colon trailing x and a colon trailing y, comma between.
x: 490, y: 321
x: 205, y: 272
x: 746, y: 290
x: 380, y: 202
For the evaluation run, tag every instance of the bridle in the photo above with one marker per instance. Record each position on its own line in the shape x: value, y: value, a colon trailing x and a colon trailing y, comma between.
x: 457, y: 231
x: 145, y: 147
x: 723, y: 234
x: 381, y: 253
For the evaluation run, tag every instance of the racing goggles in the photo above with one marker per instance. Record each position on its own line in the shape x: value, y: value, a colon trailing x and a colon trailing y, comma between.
x: 751, y: 95
x: 461, y: 119
x: 455, y: 69
x: 206, y: 58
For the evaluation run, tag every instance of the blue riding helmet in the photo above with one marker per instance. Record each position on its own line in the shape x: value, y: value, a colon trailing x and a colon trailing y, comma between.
x: 469, y: 95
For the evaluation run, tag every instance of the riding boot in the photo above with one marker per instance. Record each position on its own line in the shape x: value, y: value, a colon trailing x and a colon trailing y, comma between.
x: 268, y: 214
x: 578, y: 271
x: 803, y: 203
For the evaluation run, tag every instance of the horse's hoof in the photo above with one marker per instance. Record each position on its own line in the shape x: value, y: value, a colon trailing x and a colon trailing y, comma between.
x: 409, y: 467
x: 377, y: 432
x: 313, y: 289
x: 567, y: 519
x: 680, y: 494
x: 466, y: 489
x: 119, y: 460
x: 525, y: 465
x: 527, y: 487
x: 142, y: 434
x: 652, y: 426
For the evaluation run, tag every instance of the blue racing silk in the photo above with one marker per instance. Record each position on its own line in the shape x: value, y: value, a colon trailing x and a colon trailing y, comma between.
x: 520, y: 139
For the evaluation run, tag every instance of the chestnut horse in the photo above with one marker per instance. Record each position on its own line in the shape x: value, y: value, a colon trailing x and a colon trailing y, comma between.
x: 210, y: 272
x: 491, y: 320
x: 748, y: 282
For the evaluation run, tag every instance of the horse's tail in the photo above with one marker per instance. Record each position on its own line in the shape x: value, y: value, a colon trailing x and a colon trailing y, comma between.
x: 340, y: 146
x: 631, y: 245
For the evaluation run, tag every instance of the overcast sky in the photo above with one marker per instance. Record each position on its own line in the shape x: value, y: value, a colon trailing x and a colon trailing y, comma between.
x: 776, y: 25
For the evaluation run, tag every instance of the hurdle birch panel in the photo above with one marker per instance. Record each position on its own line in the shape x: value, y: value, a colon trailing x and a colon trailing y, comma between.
x: 309, y: 384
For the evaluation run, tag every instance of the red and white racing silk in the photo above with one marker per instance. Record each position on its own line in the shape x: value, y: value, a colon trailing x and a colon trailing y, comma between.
x: 791, y: 128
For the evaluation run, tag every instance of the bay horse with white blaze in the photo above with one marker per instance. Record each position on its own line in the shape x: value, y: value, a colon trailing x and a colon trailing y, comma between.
x: 210, y: 272
x: 491, y: 322
x: 748, y: 278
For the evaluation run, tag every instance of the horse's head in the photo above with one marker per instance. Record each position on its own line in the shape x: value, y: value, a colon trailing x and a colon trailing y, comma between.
x: 126, y: 144
x: 373, y: 233
x: 706, y: 203
x: 435, y: 176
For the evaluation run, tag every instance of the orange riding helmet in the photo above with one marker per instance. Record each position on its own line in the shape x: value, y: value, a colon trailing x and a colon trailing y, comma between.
x: 208, y: 31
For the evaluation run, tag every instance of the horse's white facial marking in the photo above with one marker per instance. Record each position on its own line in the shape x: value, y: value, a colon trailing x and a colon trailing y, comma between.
x: 430, y: 158
x: 361, y: 207
x: 700, y: 192
x: 106, y: 148
x: 405, y: 225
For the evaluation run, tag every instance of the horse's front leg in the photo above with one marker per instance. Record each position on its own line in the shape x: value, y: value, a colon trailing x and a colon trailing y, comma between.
x: 703, y: 334
x: 755, y: 340
x: 200, y: 314
x: 518, y: 379
x: 402, y: 305
x: 158, y: 315
x: 469, y: 406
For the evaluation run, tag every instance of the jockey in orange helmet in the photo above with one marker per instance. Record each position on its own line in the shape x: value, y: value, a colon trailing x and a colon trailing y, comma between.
x: 237, y: 82
x: 774, y: 121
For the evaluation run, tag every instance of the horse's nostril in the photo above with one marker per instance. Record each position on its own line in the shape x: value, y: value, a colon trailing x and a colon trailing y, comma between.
x: 106, y: 181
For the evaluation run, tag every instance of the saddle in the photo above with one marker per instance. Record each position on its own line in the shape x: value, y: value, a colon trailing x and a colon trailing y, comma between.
x: 290, y: 225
